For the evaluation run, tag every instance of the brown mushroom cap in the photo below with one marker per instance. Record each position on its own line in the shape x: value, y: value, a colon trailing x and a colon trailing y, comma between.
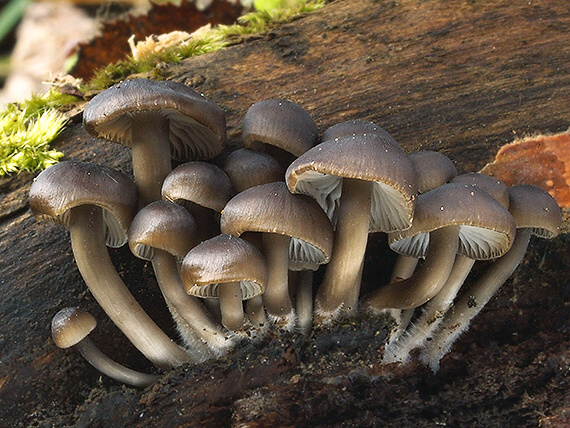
x: 319, y: 173
x: 224, y: 259
x: 163, y: 225
x: 534, y: 208
x: 432, y: 169
x: 70, y: 184
x: 197, y: 126
x: 70, y: 326
x: 486, y: 227
x: 279, y: 123
x: 271, y: 208
x: 201, y: 183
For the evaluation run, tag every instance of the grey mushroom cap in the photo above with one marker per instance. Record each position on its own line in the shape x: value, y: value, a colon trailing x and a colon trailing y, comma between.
x: 248, y: 168
x: 351, y: 128
x: 494, y: 187
x: 165, y: 226
x: 432, y: 168
x: 197, y: 126
x: 201, y: 183
x: 280, y: 123
x: 70, y: 184
x: 487, y: 229
x: 224, y: 259
x: 535, y: 208
x: 70, y: 326
x: 319, y: 173
x: 271, y: 208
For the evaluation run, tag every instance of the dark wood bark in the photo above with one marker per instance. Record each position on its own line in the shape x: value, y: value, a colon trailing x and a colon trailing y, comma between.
x: 462, y: 78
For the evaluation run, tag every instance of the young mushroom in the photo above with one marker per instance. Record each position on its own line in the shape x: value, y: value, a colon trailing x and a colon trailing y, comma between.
x: 163, y: 232
x: 203, y: 189
x: 97, y: 205
x: 70, y: 328
x: 451, y: 218
x: 226, y: 268
x: 364, y: 183
x: 535, y: 213
x: 279, y: 127
x: 249, y: 168
x: 157, y: 120
x: 280, y: 216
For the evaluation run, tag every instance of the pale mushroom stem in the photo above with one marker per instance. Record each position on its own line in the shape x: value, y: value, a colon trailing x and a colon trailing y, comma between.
x: 187, y: 307
x: 255, y: 312
x: 432, y: 314
x: 404, y: 267
x: 304, y: 301
x: 90, y: 251
x: 426, y: 282
x: 111, y: 368
x: 151, y: 157
x: 351, y: 236
x: 231, y: 305
x: 276, y: 295
x: 458, y: 319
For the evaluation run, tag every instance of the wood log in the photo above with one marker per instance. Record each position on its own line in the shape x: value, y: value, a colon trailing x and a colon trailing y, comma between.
x: 463, y: 78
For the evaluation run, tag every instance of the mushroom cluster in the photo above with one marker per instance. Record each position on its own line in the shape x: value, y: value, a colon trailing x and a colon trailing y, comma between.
x: 234, y: 242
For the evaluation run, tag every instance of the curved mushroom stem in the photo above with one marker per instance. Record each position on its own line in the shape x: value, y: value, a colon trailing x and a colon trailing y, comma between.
x: 151, y: 157
x: 188, y: 308
x: 432, y: 314
x: 92, y: 258
x: 276, y: 295
x: 111, y: 368
x: 343, y: 271
x: 231, y: 305
x: 428, y: 279
x: 304, y: 301
x: 404, y: 267
x: 458, y: 319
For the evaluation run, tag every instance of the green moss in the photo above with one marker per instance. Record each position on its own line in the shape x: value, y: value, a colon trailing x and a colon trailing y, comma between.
x: 26, y: 129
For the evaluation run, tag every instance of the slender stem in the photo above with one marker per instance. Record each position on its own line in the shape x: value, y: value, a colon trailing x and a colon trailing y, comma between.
x: 458, y: 318
x: 433, y: 313
x: 151, y: 157
x: 428, y: 279
x: 351, y: 236
x: 304, y: 301
x: 92, y: 258
x: 111, y: 368
x: 255, y: 312
x: 231, y: 305
x: 188, y: 308
x: 276, y: 296
x: 404, y: 267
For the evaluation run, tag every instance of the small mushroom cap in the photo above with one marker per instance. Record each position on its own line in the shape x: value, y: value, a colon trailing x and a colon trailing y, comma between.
x: 271, y: 208
x: 496, y: 188
x: 432, y: 169
x: 534, y: 208
x: 201, y: 183
x: 487, y: 228
x: 279, y: 123
x: 248, y: 168
x: 69, y: 184
x: 70, y: 326
x: 163, y: 225
x: 319, y: 172
x: 352, y: 128
x: 223, y: 259
x: 197, y: 126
